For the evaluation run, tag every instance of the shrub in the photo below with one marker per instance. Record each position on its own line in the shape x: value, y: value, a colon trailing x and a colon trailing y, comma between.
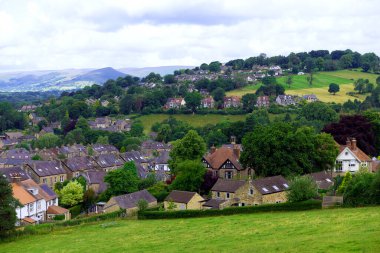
x: 75, y: 211
x: 59, y: 217
x: 358, y: 192
x: 299, y: 206
x: 301, y: 189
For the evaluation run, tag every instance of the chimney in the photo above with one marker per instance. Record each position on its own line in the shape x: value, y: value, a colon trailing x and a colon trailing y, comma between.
x: 236, y: 150
x: 233, y: 139
x: 212, y: 149
x: 15, y: 177
x: 348, y: 143
x: 353, y: 144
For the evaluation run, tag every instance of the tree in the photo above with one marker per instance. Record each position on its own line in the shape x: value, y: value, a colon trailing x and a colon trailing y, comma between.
x: 204, y: 66
x: 75, y: 136
x: 301, y: 189
x: 137, y: 129
x: 71, y: 194
x: 334, y: 88
x: 287, y: 150
x: 319, y: 111
x: 169, y: 79
x: 216, y: 138
x: 193, y: 100
x: 48, y: 140
x: 190, y: 147
x: 102, y: 140
x: 378, y: 80
x: 89, y: 198
x: 122, y: 181
x: 142, y: 205
x: 358, y: 191
x: 289, y: 80
x: 310, y: 78
x: 7, y: 207
x: 126, y: 104
x: 218, y: 94
x: 345, y: 182
x: 214, y: 66
x: 190, y: 176
x: 249, y: 101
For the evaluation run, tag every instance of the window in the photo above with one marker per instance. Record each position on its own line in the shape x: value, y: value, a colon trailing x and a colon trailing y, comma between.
x: 55, y: 179
x: 275, y: 187
x: 242, y: 204
x: 61, y: 179
x: 228, y: 175
x: 227, y: 195
x: 265, y: 189
x: 339, y: 166
x: 44, y: 180
x: 346, y: 153
x: 39, y: 205
x: 251, y: 191
x: 286, y: 185
x: 31, y: 207
x: 218, y: 194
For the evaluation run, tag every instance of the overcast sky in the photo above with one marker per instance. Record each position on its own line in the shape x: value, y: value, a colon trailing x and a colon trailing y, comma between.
x: 52, y: 34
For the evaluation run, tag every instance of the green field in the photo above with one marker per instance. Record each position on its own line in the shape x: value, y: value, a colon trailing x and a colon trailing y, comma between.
x: 335, y: 230
x: 300, y: 86
x: 195, y: 120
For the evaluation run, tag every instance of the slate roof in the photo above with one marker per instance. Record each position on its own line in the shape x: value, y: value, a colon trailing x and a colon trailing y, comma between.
x: 96, y: 177
x: 162, y: 158
x: 323, y: 179
x: 130, y: 200
x: 135, y: 156
x: 214, y: 203
x: 80, y: 163
x: 46, y: 168
x: 14, y: 171
x: 109, y: 160
x: 14, y: 135
x: 72, y: 149
x: 13, y: 162
x: 150, y: 144
x: 18, y: 153
x: 220, y: 156
x: 48, y: 191
x: 224, y: 185
x: 269, y: 185
x: 104, y: 148
x: 180, y: 196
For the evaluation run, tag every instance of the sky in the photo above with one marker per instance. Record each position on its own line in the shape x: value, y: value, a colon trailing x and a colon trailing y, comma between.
x: 54, y: 34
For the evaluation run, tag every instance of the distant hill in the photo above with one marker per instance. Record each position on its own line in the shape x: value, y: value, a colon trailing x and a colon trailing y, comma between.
x: 71, y: 79
x: 142, y: 72
x: 99, y: 76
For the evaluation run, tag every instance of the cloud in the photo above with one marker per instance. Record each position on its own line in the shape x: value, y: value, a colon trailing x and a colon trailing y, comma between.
x: 45, y: 34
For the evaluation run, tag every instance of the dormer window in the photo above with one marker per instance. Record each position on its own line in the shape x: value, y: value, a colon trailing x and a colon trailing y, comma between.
x: 346, y: 153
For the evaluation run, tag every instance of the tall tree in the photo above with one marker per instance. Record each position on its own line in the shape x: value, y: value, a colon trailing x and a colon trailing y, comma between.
x: 71, y: 194
x: 190, y: 147
x: 334, y: 88
x: 7, y: 207
x: 193, y: 100
x: 190, y: 176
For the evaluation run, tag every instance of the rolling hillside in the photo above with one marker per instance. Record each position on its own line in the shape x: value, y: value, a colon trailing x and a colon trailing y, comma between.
x: 300, y: 86
x: 333, y: 230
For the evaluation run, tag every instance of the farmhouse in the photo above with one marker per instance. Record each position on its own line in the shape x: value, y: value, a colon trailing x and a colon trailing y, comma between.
x: 351, y: 158
x: 129, y: 202
x: 224, y: 162
x: 269, y: 190
x: 183, y: 200
x: 230, y: 193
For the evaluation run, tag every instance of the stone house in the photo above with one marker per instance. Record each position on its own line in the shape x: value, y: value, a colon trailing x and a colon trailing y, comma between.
x: 95, y: 180
x: 141, y: 162
x: 15, y: 172
x: 75, y: 165
x: 149, y: 147
x: 232, y: 102
x: 108, y: 162
x: 129, y: 202
x: 45, y: 130
x: 263, y: 101
x: 46, y: 172
x: 13, y: 135
x: 230, y: 193
x: 351, y: 158
x: 310, y: 98
x: 76, y: 150
x: 11, y: 162
x: 17, y: 153
x: 285, y: 100
x: 224, y: 162
x: 269, y: 190
x: 183, y: 200
x: 102, y: 149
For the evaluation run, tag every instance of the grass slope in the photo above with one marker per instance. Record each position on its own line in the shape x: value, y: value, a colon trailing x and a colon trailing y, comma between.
x: 337, y: 230
x: 194, y: 120
x: 300, y: 86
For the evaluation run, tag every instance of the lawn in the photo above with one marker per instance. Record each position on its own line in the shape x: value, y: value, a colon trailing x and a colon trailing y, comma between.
x: 300, y: 86
x: 335, y: 230
x: 194, y: 120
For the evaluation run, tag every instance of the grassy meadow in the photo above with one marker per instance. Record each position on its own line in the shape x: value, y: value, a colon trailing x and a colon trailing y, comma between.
x: 332, y: 230
x: 194, y: 120
x: 300, y: 86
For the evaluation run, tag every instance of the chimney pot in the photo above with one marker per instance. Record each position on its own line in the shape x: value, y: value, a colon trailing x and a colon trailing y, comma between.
x: 212, y: 149
x: 236, y: 150
x: 353, y: 144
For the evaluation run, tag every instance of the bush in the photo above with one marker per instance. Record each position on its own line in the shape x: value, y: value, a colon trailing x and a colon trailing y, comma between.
x: 75, y: 211
x: 358, y: 192
x: 301, y: 189
x: 299, y: 206
x: 59, y: 217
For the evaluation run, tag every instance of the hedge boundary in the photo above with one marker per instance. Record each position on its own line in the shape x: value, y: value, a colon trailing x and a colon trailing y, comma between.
x: 280, y: 207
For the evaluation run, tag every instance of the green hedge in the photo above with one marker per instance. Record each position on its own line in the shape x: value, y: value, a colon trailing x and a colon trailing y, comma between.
x: 300, y: 206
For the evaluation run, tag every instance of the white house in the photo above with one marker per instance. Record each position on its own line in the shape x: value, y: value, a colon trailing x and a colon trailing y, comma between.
x: 351, y: 158
x: 34, y: 199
